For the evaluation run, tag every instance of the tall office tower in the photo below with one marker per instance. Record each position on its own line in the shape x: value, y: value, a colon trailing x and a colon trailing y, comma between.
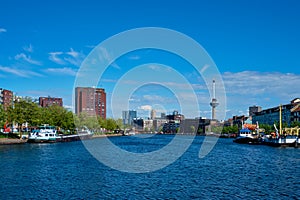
x: 128, y: 116
x: 91, y: 101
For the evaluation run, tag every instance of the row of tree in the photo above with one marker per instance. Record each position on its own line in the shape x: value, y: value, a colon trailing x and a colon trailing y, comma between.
x: 26, y: 111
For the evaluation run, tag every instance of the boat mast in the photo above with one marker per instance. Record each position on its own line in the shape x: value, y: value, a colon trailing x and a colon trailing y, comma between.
x: 280, y: 121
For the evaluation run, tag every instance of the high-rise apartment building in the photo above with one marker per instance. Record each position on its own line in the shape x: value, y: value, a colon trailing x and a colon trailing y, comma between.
x: 91, y: 101
x: 49, y: 101
x: 6, y: 98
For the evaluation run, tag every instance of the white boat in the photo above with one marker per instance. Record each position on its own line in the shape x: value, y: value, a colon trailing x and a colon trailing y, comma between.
x: 82, y: 134
x: 246, y: 136
x: 44, y: 133
x: 48, y: 133
x: 129, y: 132
x: 249, y: 134
x: 282, y: 140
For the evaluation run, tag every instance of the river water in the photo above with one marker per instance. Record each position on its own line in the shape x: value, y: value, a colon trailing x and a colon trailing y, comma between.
x: 229, y: 171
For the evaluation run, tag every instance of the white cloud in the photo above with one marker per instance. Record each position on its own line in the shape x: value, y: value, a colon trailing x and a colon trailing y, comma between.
x: 54, y: 57
x: 69, y: 107
x: 145, y: 107
x: 3, y: 30
x: 73, y: 53
x: 26, y: 58
x: 255, y: 83
x: 205, y: 67
x: 19, y: 72
x: 70, y: 57
x: 74, y: 57
x: 157, y: 98
x: 62, y: 71
x: 106, y: 56
x: 28, y: 48
x: 266, y: 89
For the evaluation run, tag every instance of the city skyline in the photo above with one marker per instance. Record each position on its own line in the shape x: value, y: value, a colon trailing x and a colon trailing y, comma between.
x: 254, y: 45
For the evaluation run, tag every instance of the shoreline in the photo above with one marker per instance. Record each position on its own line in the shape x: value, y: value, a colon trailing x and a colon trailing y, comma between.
x: 12, y: 141
x: 105, y: 135
x: 8, y: 141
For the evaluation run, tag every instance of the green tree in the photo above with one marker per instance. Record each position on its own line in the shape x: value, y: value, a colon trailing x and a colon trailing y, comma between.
x: 216, y: 129
x: 102, y: 122
x: 3, y: 117
x: 119, y: 124
x: 111, y: 124
x: 295, y: 123
x: 24, y: 110
x: 90, y: 122
x: 268, y: 128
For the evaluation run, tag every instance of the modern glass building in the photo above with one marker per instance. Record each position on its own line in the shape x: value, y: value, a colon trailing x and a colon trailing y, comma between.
x: 128, y: 116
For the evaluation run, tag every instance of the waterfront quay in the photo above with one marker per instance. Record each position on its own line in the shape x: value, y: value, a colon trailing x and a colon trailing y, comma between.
x: 9, y: 141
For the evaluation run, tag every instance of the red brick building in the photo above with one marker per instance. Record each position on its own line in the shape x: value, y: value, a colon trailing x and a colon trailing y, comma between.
x: 91, y: 101
x: 49, y: 101
x: 6, y: 98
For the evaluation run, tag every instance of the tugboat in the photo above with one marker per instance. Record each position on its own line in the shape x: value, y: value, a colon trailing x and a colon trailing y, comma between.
x: 249, y: 134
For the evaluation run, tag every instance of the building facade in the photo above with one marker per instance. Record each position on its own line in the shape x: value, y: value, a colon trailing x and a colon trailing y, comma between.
x: 6, y: 98
x: 158, y: 124
x: 271, y: 115
x: 153, y: 114
x: 49, y: 101
x: 254, y: 109
x: 289, y: 113
x: 175, y: 117
x: 91, y: 101
x: 128, y: 116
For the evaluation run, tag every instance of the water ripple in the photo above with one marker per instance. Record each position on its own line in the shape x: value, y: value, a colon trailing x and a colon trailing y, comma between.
x: 230, y: 171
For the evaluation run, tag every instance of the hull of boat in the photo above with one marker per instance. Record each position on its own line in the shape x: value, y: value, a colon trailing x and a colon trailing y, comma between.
x: 63, y: 138
x: 37, y: 140
x: 283, y: 142
x: 70, y: 138
x: 247, y: 140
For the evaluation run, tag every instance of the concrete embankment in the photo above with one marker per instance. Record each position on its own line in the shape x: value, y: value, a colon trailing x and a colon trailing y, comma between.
x: 8, y: 141
x: 106, y: 135
x: 4, y: 141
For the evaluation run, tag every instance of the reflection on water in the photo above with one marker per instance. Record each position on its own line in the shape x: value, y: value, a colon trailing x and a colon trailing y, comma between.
x: 230, y: 171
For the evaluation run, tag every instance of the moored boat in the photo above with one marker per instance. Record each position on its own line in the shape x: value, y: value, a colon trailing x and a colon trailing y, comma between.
x: 48, y: 134
x: 44, y: 133
x: 282, y: 140
x: 246, y: 136
x: 249, y: 134
x: 82, y: 134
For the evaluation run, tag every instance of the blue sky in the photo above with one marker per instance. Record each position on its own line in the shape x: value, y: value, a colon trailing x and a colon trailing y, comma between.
x: 255, y: 45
